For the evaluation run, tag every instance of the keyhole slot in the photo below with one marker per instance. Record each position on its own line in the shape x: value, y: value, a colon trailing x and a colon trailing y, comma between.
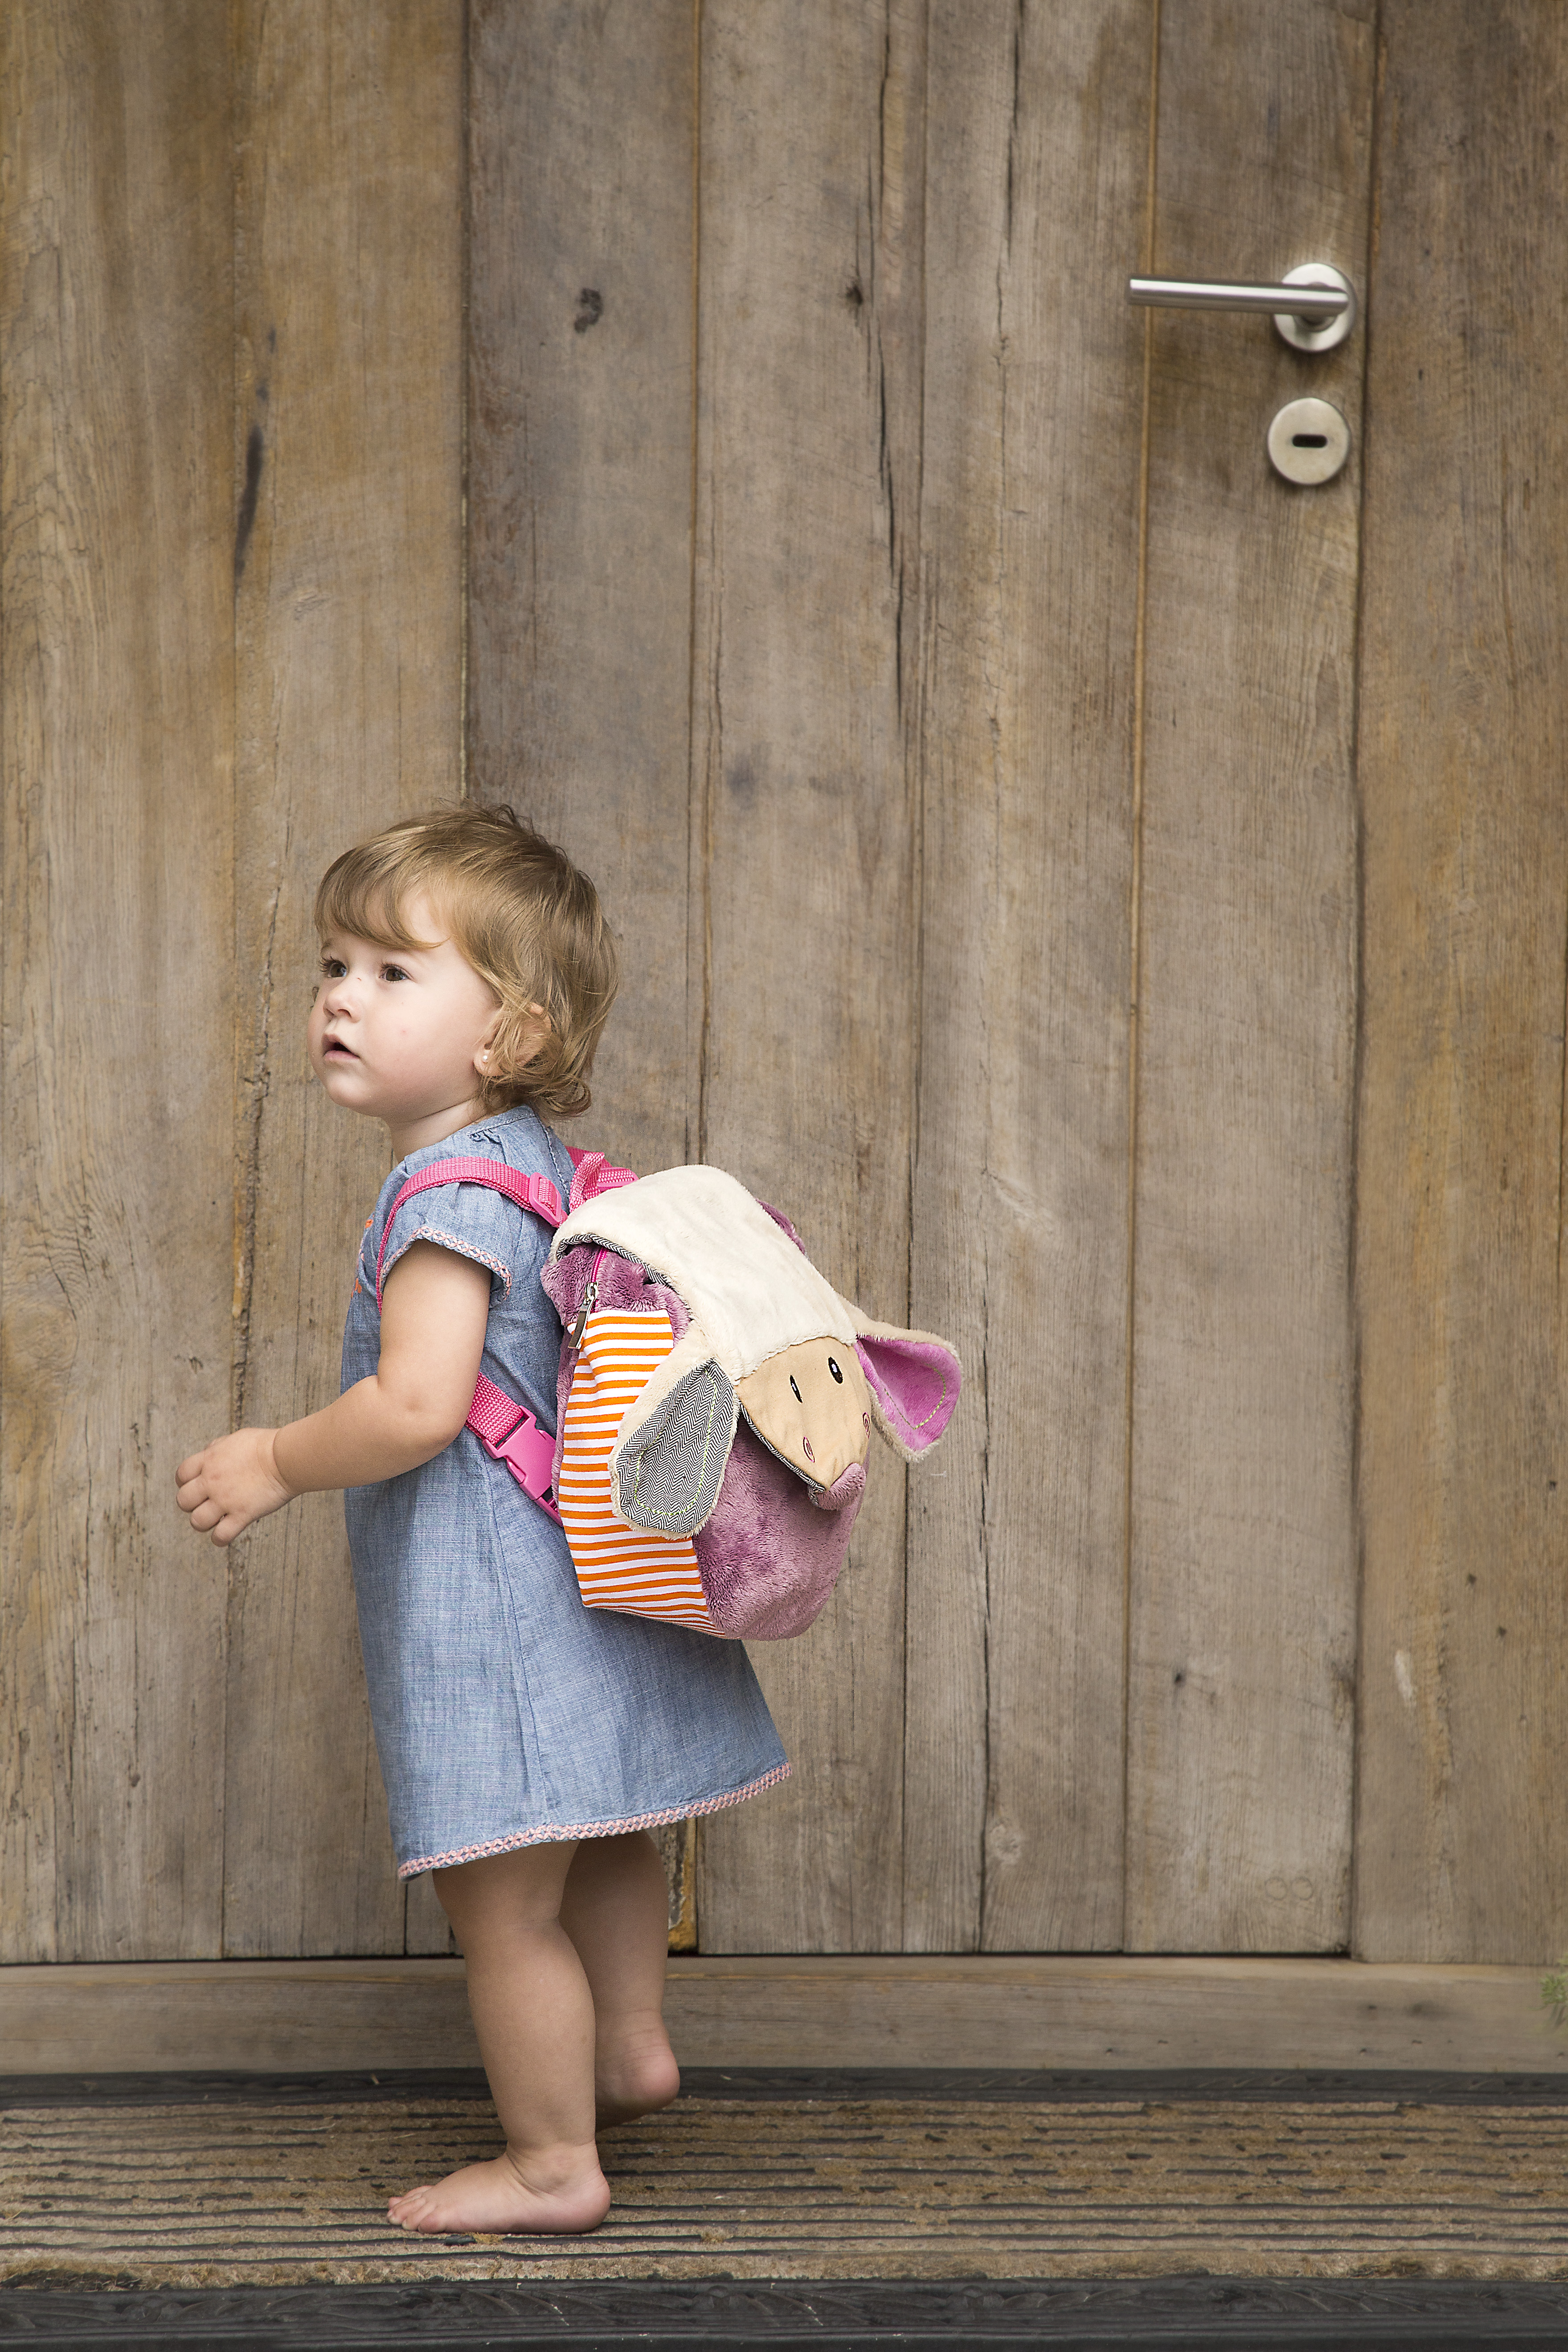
x: 1309, y: 440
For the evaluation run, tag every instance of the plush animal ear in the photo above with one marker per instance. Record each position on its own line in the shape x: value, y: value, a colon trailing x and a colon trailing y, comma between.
x: 914, y: 1379
x: 673, y: 1445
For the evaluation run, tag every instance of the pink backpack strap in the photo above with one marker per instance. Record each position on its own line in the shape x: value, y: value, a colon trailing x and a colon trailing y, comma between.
x: 507, y: 1429
x: 593, y: 1174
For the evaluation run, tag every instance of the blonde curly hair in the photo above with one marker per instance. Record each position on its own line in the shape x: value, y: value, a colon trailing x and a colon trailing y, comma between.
x: 523, y: 916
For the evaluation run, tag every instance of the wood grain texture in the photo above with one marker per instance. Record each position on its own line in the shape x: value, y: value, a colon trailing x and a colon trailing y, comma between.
x: 116, y: 369
x: 580, y: 384
x: 349, y: 658
x: 1460, y: 1297
x: 1243, y: 1547
x: 1036, y: 150
x: 804, y: 934
x: 1107, y: 2012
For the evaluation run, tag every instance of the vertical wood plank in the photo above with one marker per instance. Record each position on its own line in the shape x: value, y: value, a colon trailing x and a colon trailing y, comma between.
x: 1038, y: 147
x: 116, y: 743
x: 1243, y: 1581
x: 808, y: 417
x: 582, y: 135
x: 1460, y: 1297
x: 349, y: 310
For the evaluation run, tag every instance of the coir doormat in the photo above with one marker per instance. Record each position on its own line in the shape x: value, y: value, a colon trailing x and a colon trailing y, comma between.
x: 782, y: 2207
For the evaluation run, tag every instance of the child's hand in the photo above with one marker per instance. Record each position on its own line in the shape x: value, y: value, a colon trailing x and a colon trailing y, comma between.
x: 231, y: 1482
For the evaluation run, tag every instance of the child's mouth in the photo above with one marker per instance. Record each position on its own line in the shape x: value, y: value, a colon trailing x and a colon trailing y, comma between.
x: 335, y: 1050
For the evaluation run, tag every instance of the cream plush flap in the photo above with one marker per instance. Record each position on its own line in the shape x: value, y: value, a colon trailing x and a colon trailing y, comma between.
x: 740, y: 1275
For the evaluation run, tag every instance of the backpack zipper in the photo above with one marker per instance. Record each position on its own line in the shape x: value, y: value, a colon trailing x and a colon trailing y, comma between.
x: 579, y: 1323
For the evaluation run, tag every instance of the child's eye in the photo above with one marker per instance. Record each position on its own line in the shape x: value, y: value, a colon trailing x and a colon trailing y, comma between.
x: 392, y: 972
x: 332, y: 968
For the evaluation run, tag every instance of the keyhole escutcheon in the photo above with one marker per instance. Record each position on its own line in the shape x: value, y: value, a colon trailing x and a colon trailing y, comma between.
x: 1308, y: 442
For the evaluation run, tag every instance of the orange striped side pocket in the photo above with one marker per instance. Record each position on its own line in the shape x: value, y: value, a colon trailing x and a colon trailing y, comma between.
x: 619, y: 1566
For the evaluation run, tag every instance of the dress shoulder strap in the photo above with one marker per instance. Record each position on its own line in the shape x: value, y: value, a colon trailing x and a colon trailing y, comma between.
x: 536, y: 1193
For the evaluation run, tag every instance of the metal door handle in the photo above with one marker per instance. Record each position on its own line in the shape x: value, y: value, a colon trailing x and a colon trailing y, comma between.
x: 1315, y: 326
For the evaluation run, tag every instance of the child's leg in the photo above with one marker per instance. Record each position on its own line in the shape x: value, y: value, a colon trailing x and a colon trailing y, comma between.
x: 616, y: 1911
x: 534, y: 2016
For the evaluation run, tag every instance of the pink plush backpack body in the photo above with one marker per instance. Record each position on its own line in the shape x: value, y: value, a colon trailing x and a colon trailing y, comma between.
x: 715, y: 1399
x: 749, y: 1437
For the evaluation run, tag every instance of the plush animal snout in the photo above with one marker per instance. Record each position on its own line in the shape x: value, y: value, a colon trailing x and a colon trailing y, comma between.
x: 846, y: 1488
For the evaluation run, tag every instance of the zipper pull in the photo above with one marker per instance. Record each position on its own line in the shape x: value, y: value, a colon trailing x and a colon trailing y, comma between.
x: 579, y: 1322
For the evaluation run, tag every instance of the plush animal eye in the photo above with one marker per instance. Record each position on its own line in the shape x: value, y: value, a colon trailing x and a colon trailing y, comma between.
x: 797, y: 1395
x: 836, y: 1372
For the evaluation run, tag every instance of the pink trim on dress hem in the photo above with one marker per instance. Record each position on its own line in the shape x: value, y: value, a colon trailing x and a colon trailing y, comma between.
x: 554, y: 1833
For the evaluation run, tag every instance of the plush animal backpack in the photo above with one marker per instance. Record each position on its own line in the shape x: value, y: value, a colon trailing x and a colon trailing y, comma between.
x: 715, y: 1398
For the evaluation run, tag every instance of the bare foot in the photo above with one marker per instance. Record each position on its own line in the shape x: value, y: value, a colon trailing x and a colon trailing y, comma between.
x: 634, y: 2080
x: 499, y: 2199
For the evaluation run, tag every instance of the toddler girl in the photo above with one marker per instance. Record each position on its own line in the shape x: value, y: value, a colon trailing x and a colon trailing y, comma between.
x: 527, y: 1742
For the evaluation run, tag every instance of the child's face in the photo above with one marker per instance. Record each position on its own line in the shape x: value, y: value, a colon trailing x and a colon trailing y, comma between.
x: 400, y: 1034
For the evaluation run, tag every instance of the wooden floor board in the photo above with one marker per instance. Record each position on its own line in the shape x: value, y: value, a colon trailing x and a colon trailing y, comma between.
x: 255, y: 2193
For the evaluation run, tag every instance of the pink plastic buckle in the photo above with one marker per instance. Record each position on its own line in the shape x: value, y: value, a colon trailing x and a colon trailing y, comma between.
x: 528, y: 1453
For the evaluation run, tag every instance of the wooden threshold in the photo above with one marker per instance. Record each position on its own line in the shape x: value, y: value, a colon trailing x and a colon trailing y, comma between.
x: 269, y: 2016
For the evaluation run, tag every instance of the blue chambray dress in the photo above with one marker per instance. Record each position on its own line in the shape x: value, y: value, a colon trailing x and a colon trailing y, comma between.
x: 506, y: 1713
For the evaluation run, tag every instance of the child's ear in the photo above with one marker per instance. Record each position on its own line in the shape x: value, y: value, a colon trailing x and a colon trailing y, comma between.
x: 485, y: 1053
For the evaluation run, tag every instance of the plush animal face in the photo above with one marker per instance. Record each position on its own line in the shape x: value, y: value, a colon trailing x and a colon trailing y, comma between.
x: 809, y: 1405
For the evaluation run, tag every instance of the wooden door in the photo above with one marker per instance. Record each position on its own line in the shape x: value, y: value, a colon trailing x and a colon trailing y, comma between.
x: 1113, y: 901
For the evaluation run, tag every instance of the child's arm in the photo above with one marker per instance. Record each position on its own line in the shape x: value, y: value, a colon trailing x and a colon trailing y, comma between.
x: 433, y: 1316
